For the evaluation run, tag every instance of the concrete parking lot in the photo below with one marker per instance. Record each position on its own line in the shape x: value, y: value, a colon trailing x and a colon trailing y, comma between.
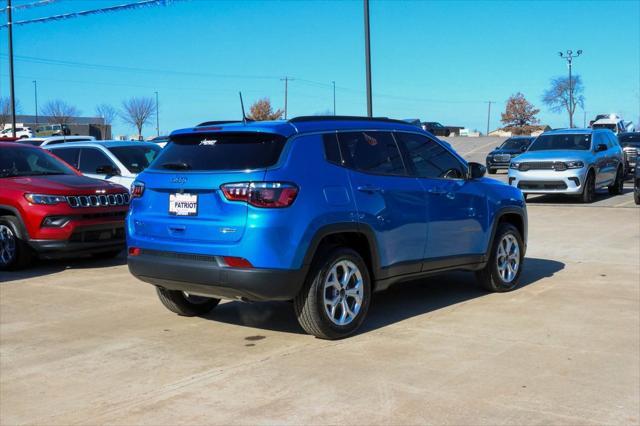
x: 83, y: 342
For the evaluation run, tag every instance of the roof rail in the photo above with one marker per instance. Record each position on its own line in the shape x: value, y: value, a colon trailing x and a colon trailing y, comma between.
x: 213, y: 123
x: 307, y: 118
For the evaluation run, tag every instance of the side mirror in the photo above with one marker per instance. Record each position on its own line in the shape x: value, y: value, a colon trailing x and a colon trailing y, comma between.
x: 476, y: 170
x: 601, y: 147
x: 107, y: 170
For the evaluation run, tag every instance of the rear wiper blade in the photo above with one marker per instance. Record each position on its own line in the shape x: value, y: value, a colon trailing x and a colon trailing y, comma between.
x: 176, y: 166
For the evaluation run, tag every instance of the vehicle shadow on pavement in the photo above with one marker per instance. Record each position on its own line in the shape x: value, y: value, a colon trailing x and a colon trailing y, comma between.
x: 420, y: 297
x: 396, y: 304
x: 42, y: 267
x: 601, y: 195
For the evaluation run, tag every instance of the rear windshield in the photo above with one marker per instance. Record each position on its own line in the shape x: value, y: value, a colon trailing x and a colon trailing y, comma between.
x: 580, y: 142
x: 220, y: 151
x: 135, y: 158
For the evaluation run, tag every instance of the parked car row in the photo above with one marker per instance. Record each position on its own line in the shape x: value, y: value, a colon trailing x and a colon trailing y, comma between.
x: 41, y: 131
x: 568, y: 161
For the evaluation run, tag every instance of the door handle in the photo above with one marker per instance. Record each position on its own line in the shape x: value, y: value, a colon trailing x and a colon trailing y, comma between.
x: 440, y: 191
x: 369, y: 189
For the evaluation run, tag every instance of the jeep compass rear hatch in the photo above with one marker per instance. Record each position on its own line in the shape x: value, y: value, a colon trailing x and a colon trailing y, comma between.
x: 193, y: 189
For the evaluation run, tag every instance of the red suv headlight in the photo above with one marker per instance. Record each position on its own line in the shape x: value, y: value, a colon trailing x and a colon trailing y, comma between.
x: 44, y: 199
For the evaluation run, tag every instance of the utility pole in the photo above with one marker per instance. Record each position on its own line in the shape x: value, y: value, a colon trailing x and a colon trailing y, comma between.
x: 11, y: 88
x: 286, y: 93
x: 334, y: 97
x: 489, y: 115
x: 584, y: 122
x: 35, y: 94
x: 569, y: 55
x: 367, y: 56
x: 157, y: 116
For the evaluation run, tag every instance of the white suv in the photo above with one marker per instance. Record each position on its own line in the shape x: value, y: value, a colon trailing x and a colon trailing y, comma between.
x: 21, y: 132
x: 116, y: 161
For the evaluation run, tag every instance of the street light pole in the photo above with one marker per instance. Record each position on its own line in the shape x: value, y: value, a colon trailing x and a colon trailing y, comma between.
x: 334, y: 97
x: 35, y: 94
x: 569, y: 55
x: 367, y: 55
x: 11, y: 88
x: 157, y: 116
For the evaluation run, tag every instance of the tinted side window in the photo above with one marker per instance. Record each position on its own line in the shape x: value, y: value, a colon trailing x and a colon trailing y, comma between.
x: 371, y: 152
x: 331, y: 149
x: 69, y: 155
x: 91, y: 159
x: 429, y: 158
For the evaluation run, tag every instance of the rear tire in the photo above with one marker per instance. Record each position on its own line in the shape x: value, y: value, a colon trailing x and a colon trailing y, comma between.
x: 504, y: 267
x: 186, y: 304
x: 617, y: 187
x: 636, y: 198
x: 336, y: 295
x: 15, y: 253
x: 589, y: 189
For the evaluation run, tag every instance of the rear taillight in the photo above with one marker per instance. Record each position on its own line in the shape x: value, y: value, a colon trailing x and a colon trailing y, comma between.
x: 261, y: 194
x: 137, y: 189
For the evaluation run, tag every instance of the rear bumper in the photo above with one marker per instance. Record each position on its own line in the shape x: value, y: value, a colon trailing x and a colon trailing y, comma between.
x: 205, y: 277
x: 83, y: 240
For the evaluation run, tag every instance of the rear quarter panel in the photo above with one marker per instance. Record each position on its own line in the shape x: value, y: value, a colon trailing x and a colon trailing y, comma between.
x: 324, y: 198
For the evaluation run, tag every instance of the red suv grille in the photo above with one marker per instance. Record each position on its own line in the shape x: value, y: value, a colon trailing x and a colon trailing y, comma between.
x: 78, y: 201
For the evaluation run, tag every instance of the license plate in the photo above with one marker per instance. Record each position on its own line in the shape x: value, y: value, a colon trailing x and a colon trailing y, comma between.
x: 183, y: 204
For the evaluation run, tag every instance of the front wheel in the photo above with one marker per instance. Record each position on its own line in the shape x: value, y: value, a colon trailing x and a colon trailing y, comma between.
x: 185, y: 304
x: 502, y: 272
x: 14, y: 251
x: 617, y: 187
x: 589, y: 189
x: 636, y: 197
x: 336, y: 296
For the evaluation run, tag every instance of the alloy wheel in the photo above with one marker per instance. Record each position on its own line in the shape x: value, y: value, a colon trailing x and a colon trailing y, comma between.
x: 508, y: 258
x: 7, y: 245
x: 343, y: 292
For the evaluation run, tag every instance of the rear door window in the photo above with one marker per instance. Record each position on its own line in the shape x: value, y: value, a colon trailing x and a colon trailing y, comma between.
x: 69, y: 155
x: 220, y: 151
x: 371, y: 152
x: 92, y: 158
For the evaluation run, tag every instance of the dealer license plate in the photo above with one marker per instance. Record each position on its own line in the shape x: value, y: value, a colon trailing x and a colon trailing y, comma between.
x: 183, y: 204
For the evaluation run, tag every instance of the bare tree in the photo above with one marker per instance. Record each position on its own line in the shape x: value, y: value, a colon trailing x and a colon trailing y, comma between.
x: 5, y: 111
x: 137, y: 111
x: 261, y: 110
x: 108, y: 114
x: 558, y: 97
x: 59, y: 112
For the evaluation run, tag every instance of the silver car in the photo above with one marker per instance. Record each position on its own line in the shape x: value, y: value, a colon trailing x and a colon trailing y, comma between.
x: 570, y: 161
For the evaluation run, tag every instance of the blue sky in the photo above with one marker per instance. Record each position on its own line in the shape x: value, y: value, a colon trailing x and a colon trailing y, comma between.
x: 435, y: 60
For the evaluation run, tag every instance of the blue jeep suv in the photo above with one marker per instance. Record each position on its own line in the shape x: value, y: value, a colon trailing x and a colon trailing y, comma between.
x: 323, y: 211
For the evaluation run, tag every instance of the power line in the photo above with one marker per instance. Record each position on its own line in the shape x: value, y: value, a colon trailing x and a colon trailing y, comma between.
x: 29, y: 5
x: 127, y: 6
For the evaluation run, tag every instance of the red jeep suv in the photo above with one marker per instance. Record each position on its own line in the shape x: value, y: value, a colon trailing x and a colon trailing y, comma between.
x: 49, y: 209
